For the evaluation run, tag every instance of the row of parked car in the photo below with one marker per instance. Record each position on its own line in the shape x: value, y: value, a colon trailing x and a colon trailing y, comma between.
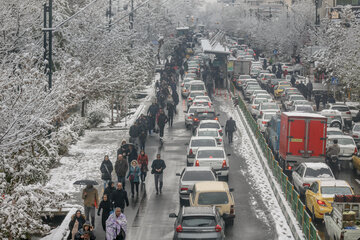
x: 284, y: 116
x: 206, y: 204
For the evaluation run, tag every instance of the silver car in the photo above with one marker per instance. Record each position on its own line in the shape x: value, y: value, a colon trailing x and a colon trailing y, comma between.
x: 191, y: 175
x: 190, y: 113
x: 194, y: 144
x: 356, y: 133
x: 210, y: 132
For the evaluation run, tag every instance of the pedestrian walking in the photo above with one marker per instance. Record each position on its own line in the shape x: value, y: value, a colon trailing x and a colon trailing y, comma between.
x: 285, y: 73
x: 86, y: 232
x: 91, y: 201
x: 324, y: 99
x: 143, y: 162
x: 116, y: 226
x: 134, y: 133
x: 157, y: 168
x: 230, y: 128
x: 309, y: 87
x: 317, y: 101
x: 171, y: 113
x: 119, y: 197
x: 106, y: 169
x: 121, y: 167
x: 123, y: 150
x: 76, y: 223
x: 273, y: 69
x: 162, y: 120
x: 106, y: 206
x: 293, y: 80
x: 134, y: 177
x: 132, y: 155
x: 109, y: 189
x: 142, y: 139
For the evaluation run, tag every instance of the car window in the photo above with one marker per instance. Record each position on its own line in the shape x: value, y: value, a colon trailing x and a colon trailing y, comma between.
x: 260, y: 100
x: 356, y: 128
x: 210, y: 154
x: 213, y: 198
x: 206, y: 115
x: 268, y: 116
x: 193, y: 110
x: 340, y: 108
x: 345, y: 141
x: 304, y: 109
x: 318, y: 173
x: 210, y: 125
x: 336, y: 190
x: 334, y: 133
x: 203, y: 143
x: 196, y: 94
x: 269, y: 106
x: 198, y: 87
x: 207, y: 134
x: 314, y: 187
x: 198, y: 221
x: 198, y: 176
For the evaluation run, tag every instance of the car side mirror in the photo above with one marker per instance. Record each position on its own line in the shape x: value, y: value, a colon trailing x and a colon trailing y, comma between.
x: 186, y: 144
x: 231, y: 189
x: 178, y: 174
x: 172, y: 215
x: 228, y: 154
x: 222, y: 126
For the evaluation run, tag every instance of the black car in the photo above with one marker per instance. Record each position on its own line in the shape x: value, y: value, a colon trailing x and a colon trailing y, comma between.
x: 198, y: 223
x: 203, y: 114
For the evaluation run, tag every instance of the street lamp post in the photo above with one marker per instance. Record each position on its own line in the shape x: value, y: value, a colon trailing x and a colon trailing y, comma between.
x: 317, y: 22
x: 48, y: 40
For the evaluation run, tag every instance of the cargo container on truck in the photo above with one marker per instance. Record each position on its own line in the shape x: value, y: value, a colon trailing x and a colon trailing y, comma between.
x: 242, y: 67
x: 302, y: 139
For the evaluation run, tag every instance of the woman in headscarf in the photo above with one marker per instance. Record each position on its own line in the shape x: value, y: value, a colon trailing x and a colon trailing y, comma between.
x: 134, y: 177
x: 76, y: 223
x: 116, y: 225
x: 107, y: 207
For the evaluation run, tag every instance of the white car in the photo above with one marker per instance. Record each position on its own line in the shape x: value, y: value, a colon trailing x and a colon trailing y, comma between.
x: 256, y: 92
x: 205, y: 98
x: 192, y: 96
x: 189, y: 114
x: 347, y: 146
x: 268, y: 107
x: 265, y: 95
x: 343, y: 109
x: 356, y: 133
x: 194, y: 144
x: 211, y: 124
x: 210, y: 132
x: 307, y: 173
x: 254, y: 105
x: 354, y: 108
x: 202, y: 103
x: 197, y: 85
x: 288, y: 104
x: 264, y: 120
x: 304, y: 108
x: 216, y: 158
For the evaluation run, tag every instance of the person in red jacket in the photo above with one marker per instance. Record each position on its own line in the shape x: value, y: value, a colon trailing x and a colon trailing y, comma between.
x: 143, y: 162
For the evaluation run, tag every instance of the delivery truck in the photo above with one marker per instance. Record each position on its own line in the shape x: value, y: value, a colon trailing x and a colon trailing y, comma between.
x: 343, y: 222
x: 242, y: 67
x: 302, y: 139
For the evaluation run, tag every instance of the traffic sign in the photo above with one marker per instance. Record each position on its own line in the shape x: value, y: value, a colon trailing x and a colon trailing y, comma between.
x: 275, y: 51
x: 334, y: 81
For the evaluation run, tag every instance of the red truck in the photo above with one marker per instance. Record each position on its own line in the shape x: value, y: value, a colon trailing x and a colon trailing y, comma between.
x: 302, y: 139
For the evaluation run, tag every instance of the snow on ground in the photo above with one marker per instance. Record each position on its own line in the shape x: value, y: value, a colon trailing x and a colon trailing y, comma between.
x: 256, y: 176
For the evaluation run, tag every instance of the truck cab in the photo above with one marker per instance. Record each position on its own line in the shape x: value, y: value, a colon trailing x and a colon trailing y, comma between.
x: 272, y: 135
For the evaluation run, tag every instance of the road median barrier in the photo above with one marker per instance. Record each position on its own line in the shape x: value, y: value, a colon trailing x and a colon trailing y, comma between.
x: 289, y: 199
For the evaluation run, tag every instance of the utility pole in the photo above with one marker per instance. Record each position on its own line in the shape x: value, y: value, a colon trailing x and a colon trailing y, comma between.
x: 317, y: 18
x: 109, y: 14
x: 48, y: 40
x: 131, y: 15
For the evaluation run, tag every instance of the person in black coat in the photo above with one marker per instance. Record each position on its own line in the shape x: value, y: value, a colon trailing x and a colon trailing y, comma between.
x: 80, y: 218
x: 107, y: 207
x: 106, y: 169
x: 317, y: 101
x: 293, y: 80
x: 324, y: 99
x: 171, y: 113
x: 309, y: 87
x: 142, y: 139
x: 134, y: 132
x: 119, y: 198
x: 162, y: 120
x: 133, y: 155
x: 230, y: 128
x: 109, y: 189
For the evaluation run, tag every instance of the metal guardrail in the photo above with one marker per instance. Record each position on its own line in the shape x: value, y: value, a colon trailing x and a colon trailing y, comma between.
x: 290, y: 194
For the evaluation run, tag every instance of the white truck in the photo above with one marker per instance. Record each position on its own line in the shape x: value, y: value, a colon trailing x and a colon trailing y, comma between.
x: 343, y: 223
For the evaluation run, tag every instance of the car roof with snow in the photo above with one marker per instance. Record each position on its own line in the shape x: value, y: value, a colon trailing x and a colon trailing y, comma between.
x: 209, y: 121
x: 334, y: 183
x: 315, y: 165
x: 339, y: 136
x: 329, y: 112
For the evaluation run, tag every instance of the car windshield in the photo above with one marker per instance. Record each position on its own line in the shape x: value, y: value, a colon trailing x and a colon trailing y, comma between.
x: 193, y: 110
x: 340, y: 108
x: 334, y: 133
x: 198, y: 176
x: 269, y: 106
x: 205, y: 104
x: 260, y: 100
x: 332, y: 118
x: 268, y: 116
x: 296, y: 97
x: 244, y: 76
x: 210, y: 125
x: 198, y: 221
x: 213, y: 198
x: 207, y: 133
x: 198, y: 87
x: 206, y: 115
x: 305, y: 109
x: 203, y: 143
x: 345, y: 141
x: 267, y: 96
x: 210, y: 154
x: 336, y: 190
x: 356, y: 128
x: 318, y: 173
x: 196, y: 94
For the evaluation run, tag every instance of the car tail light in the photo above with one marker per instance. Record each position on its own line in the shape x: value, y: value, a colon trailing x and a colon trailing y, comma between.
x: 197, y: 164
x: 261, y: 112
x: 254, y: 107
x: 264, y: 122
x: 184, y: 189
x: 254, y: 54
x: 355, y: 136
x: 348, y: 112
x: 182, y: 84
x: 191, y: 151
x: 196, y: 119
x: 220, y: 140
x: 224, y: 164
x: 321, y: 203
x: 289, y: 167
x: 220, y: 131
x: 216, y: 118
x: 355, y: 150
x: 218, y: 228
x: 190, y: 99
x: 232, y: 210
x: 206, y: 94
x: 263, y: 79
x: 179, y: 228
x: 306, y: 184
x: 272, y: 86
